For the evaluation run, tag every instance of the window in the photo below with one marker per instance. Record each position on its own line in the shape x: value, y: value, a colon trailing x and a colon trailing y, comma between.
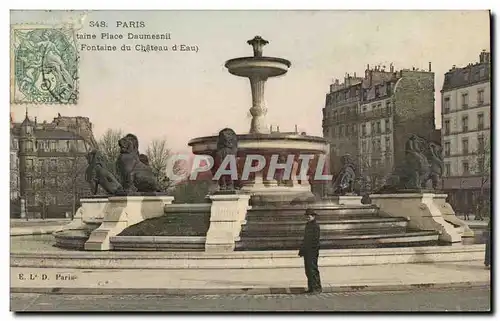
x: 465, y: 100
x: 480, y: 96
x: 342, y: 130
x: 363, y: 129
x: 30, y: 182
x: 53, y: 164
x: 335, y: 114
x: 465, y: 167
x: 377, y: 91
x: 53, y: 146
x: 388, y: 107
x: 387, y: 144
x: 465, y: 146
x: 29, y: 164
x: 482, y: 72
x: 447, y: 148
x: 29, y: 146
x: 480, y: 143
x: 447, y: 127
x: 387, y: 125
x: 480, y: 164
x: 465, y: 123
x: 447, y: 169
x: 446, y: 105
x: 379, y: 128
x: 364, y: 109
x: 480, y: 121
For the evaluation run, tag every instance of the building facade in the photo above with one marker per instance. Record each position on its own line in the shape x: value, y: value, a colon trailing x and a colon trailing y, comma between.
x: 51, y: 163
x: 466, y: 124
x: 371, y: 118
x: 14, y: 163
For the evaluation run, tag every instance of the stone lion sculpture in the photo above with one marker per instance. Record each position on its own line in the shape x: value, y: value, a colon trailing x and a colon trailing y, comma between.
x: 135, y: 175
x: 423, y: 162
x: 345, y: 179
x: 227, y: 144
x: 435, y: 157
x: 98, y: 175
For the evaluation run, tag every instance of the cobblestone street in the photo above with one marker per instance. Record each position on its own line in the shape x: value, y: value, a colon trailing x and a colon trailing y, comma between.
x: 464, y: 299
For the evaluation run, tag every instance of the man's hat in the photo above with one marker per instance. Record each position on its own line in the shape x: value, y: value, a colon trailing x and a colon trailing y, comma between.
x: 310, y: 211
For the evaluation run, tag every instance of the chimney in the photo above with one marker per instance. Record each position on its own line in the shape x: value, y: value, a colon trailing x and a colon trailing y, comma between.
x: 430, y: 66
x: 35, y: 121
x: 354, y: 74
x: 391, y: 67
x: 296, y: 129
x: 278, y: 129
x: 484, y: 57
x: 271, y: 128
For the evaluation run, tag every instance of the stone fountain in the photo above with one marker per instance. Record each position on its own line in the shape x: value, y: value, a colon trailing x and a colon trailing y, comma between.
x: 264, y: 213
x: 260, y: 140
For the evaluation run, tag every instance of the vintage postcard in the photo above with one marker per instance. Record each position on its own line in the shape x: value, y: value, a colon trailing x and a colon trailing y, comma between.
x: 286, y: 160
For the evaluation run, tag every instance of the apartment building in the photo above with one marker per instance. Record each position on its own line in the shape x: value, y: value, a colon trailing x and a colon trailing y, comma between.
x: 371, y: 118
x: 50, y: 163
x: 466, y: 123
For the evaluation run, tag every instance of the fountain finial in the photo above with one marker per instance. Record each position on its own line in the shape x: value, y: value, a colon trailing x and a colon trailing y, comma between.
x: 257, y: 43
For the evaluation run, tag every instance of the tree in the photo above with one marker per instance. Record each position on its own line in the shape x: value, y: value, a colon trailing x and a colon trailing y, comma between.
x: 72, y: 180
x: 482, y: 167
x: 108, y: 146
x: 159, y: 155
x: 374, y: 170
x: 43, y: 186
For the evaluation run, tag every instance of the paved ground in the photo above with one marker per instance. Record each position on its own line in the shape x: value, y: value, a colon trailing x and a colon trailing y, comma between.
x: 464, y: 299
x: 37, y: 222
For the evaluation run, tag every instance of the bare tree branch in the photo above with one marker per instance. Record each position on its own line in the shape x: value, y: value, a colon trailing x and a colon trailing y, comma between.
x: 159, y: 156
x: 108, y: 146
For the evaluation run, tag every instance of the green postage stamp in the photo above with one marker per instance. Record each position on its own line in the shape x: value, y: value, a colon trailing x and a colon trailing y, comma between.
x: 44, y: 65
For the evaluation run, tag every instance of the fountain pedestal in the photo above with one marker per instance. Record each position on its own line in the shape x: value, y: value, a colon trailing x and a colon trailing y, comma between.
x: 121, y: 212
x: 227, y: 215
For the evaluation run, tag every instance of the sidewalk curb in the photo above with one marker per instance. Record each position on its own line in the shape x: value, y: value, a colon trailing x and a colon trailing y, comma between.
x: 248, y: 291
x: 42, y: 230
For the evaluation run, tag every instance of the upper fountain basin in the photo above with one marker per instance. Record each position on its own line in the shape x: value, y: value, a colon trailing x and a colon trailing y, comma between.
x: 258, y: 66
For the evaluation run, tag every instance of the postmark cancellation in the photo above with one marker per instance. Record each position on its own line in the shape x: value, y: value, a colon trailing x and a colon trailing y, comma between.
x: 44, y: 65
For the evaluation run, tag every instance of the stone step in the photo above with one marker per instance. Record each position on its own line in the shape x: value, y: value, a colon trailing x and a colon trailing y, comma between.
x: 420, y: 238
x: 158, y: 243
x: 333, y: 225
x: 301, y: 210
x: 329, y: 233
x: 332, y: 214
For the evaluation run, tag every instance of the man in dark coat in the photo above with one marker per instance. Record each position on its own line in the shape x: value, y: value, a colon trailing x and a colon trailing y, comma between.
x: 487, y: 254
x: 310, y: 252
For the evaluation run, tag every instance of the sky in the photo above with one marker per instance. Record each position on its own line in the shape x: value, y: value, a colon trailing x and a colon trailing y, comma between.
x: 182, y: 95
